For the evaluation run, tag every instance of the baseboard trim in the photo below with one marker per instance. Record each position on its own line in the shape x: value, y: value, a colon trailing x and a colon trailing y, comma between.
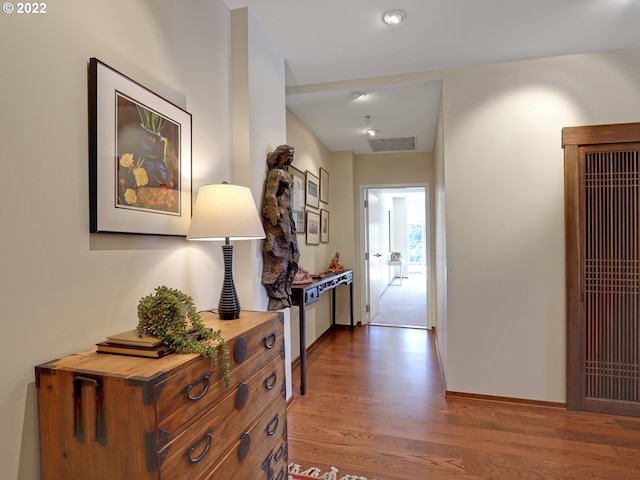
x: 499, y: 399
x: 341, y: 326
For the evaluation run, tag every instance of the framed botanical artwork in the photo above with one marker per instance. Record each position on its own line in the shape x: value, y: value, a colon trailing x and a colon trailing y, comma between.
x: 324, y: 226
x: 298, y: 198
x: 324, y: 185
x: 313, y: 190
x: 139, y: 157
x: 313, y: 228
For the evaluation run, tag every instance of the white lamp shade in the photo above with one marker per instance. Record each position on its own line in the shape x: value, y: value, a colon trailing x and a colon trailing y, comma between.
x: 224, y: 211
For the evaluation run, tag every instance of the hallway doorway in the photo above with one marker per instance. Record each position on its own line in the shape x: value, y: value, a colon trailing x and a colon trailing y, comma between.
x: 404, y: 304
x: 397, y: 243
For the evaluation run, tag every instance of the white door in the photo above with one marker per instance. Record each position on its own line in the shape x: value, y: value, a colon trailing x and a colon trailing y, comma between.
x: 374, y: 254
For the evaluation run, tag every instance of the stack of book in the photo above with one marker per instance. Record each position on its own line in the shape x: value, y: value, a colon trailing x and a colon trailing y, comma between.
x: 130, y: 343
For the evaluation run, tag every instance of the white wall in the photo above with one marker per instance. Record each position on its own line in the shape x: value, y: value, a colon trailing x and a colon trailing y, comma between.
x: 310, y: 155
x: 385, y: 205
x: 343, y: 229
x: 394, y: 169
x: 505, y: 332
x: 258, y: 119
x: 401, y: 233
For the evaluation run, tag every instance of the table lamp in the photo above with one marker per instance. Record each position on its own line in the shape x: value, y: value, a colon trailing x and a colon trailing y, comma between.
x: 225, y: 212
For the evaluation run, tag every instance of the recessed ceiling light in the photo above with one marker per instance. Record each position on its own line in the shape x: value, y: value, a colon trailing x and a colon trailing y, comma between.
x: 358, y: 95
x: 394, y: 17
x: 371, y: 132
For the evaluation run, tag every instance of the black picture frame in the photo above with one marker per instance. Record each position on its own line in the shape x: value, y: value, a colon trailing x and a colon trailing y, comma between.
x: 324, y: 226
x: 324, y: 185
x: 313, y: 190
x: 298, y: 198
x: 139, y: 157
x: 313, y: 228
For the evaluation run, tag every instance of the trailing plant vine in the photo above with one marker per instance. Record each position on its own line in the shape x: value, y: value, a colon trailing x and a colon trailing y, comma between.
x: 167, y: 314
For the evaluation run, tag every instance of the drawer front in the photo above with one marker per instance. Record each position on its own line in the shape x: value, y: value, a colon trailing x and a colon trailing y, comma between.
x: 187, y: 393
x: 250, y: 352
x: 193, y: 452
x: 264, y: 438
x: 311, y: 295
x: 275, y: 464
x: 193, y: 389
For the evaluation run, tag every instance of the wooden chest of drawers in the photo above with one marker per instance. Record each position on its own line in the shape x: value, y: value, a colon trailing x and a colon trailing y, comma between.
x: 116, y: 417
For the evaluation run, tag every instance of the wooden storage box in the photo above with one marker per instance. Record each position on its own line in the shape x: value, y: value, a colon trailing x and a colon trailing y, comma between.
x: 105, y: 416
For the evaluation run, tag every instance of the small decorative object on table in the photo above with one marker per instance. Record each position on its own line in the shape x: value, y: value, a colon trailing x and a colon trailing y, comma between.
x: 131, y: 343
x: 164, y: 315
x: 302, y: 276
x: 334, y: 265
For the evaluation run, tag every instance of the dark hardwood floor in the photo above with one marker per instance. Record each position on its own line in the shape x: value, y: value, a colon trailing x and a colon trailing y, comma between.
x: 375, y: 407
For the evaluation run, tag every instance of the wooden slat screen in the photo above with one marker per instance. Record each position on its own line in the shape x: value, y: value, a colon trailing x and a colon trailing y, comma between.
x: 611, y: 276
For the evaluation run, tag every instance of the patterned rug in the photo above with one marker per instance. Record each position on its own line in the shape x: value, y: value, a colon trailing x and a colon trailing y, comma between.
x: 298, y: 473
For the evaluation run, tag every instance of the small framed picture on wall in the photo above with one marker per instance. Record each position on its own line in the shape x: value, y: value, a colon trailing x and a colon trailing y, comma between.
x: 139, y: 158
x: 313, y: 190
x: 298, y: 198
x: 324, y: 226
x: 324, y: 185
x: 313, y: 228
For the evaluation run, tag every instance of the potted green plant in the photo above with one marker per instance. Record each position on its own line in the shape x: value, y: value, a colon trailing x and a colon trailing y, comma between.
x: 167, y: 313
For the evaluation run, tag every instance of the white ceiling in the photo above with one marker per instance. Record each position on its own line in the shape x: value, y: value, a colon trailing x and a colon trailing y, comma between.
x: 335, y: 47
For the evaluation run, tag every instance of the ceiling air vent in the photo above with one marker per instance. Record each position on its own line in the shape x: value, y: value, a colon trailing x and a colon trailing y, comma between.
x: 392, y: 144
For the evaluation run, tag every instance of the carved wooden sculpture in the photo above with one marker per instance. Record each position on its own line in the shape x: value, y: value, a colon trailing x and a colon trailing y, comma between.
x: 280, y: 251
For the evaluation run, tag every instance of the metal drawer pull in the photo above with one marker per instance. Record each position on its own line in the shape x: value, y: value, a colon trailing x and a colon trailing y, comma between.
x: 245, y: 446
x: 271, y: 381
x: 270, y: 341
x: 272, y: 428
x: 281, y: 474
x: 209, y: 439
x: 205, y: 378
x: 266, y: 466
x: 78, y: 422
x: 279, y: 454
x: 242, y: 395
x: 240, y: 350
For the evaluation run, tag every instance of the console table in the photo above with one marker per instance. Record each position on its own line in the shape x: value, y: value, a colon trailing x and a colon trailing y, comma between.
x: 309, y: 293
